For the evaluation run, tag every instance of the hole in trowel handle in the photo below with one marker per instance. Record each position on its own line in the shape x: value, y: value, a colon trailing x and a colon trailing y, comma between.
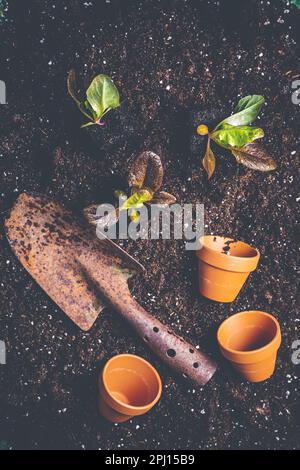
x: 170, y: 348
x: 171, y: 352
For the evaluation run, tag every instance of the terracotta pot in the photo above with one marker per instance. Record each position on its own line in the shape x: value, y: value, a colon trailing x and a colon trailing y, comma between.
x: 250, y: 341
x: 129, y: 386
x: 224, y: 265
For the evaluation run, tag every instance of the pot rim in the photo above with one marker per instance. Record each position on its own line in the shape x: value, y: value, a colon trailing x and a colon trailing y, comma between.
x: 274, y: 342
x: 149, y: 405
x: 228, y: 263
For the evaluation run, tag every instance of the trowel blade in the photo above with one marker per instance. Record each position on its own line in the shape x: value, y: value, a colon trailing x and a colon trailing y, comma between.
x: 64, y: 256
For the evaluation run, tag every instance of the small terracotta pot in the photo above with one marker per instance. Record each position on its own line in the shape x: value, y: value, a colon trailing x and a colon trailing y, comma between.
x: 129, y: 386
x: 224, y: 265
x: 250, y: 341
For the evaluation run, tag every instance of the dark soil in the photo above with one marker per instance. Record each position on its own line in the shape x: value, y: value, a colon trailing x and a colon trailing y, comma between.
x: 170, y: 60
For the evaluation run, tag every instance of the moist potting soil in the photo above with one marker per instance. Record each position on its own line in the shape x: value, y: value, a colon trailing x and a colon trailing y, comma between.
x: 176, y: 64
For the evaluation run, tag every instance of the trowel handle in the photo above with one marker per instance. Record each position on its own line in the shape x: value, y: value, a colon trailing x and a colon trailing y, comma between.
x: 172, y: 349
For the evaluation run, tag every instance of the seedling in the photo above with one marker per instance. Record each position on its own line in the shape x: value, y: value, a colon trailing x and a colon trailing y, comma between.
x: 101, y: 97
x: 235, y: 134
x: 145, y: 179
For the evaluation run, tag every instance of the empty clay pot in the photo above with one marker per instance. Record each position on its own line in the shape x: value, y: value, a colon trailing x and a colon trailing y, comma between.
x: 129, y: 386
x: 250, y: 341
x: 224, y: 265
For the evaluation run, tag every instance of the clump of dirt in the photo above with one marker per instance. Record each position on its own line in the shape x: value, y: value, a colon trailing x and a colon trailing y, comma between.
x: 174, y: 63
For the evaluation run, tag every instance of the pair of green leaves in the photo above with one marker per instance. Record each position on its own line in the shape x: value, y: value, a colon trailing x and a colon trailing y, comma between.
x: 235, y: 134
x: 229, y: 136
x: 101, y: 97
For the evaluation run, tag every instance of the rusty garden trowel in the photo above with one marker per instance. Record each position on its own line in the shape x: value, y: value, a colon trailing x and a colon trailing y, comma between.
x: 82, y: 273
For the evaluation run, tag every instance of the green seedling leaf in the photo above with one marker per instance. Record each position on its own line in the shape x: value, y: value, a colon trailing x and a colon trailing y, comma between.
x: 245, y: 112
x: 137, y: 199
x: 209, y: 161
x: 236, y: 136
x: 255, y: 157
x: 102, y: 95
x: 89, y: 109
